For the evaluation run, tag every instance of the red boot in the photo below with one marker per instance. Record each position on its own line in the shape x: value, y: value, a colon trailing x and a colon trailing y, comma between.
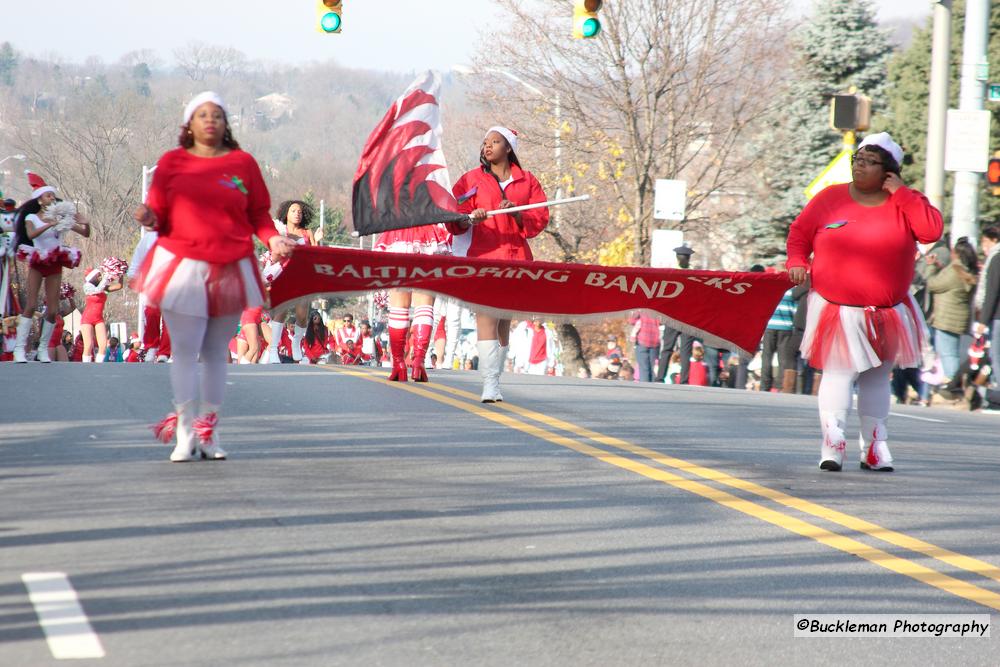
x: 421, y: 339
x: 397, y: 345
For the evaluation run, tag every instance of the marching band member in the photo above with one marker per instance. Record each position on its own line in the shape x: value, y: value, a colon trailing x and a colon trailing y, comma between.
x: 426, y: 240
x: 294, y: 219
x: 40, y: 225
x: 857, y: 242
x: 96, y: 287
x: 207, y: 201
x: 499, y: 182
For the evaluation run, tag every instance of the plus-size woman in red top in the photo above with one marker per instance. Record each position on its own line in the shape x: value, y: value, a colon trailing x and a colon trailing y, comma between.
x: 858, y: 242
x: 207, y: 201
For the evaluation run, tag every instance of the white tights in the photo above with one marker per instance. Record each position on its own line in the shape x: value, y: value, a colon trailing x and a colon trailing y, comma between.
x: 837, y: 387
x: 190, y: 337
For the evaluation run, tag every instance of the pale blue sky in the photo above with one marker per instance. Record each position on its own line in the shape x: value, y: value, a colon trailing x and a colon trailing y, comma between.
x: 400, y: 35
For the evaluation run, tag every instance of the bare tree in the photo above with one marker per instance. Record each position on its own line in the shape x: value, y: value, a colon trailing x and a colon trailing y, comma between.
x: 199, y: 60
x: 92, y: 149
x: 670, y: 89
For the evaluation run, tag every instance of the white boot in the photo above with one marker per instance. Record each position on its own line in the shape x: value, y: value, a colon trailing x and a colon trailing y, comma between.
x: 43, y: 341
x: 150, y: 357
x: 205, y: 429
x: 875, y: 454
x: 297, y: 342
x: 99, y: 356
x: 277, y: 328
x: 23, y: 329
x: 831, y: 454
x: 185, y: 449
x: 489, y: 360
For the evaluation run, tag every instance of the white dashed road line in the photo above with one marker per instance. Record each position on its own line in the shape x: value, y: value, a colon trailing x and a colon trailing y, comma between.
x: 66, y: 627
x: 920, y: 419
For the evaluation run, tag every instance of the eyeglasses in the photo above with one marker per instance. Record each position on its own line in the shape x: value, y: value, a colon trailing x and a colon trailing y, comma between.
x: 867, y: 162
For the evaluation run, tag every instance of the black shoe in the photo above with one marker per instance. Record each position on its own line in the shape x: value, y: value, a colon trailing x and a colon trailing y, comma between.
x: 865, y: 466
x: 830, y: 465
x: 975, y: 400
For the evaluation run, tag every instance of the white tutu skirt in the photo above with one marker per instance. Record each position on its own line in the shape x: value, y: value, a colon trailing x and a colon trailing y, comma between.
x: 60, y: 256
x: 425, y: 240
x: 855, y: 338
x: 197, y: 288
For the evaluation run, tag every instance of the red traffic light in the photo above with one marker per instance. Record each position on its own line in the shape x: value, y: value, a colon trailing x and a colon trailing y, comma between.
x: 993, y: 172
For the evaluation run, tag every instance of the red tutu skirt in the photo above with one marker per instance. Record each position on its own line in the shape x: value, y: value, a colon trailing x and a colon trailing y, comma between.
x: 49, y: 262
x: 860, y: 338
x: 198, y: 288
x: 425, y: 240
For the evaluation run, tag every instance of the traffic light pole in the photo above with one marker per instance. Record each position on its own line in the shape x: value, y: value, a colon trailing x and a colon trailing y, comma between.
x: 937, y: 111
x: 965, y: 212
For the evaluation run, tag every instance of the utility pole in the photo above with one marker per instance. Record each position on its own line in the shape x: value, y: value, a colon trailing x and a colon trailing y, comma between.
x: 975, y: 73
x: 938, y: 104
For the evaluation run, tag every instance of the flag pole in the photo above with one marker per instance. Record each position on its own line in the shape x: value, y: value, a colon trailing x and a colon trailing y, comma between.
x: 541, y: 204
x: 526, y: 207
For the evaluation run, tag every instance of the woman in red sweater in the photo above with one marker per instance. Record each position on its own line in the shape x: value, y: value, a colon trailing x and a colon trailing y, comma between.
x: 207, y: 201
x: 861, y: 237
x: 498, y: 182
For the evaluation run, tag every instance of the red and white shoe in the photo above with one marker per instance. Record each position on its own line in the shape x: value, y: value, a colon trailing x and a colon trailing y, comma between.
x: 208, y: 439
x: 179, y: 425
x: 874, y: 448
x: 831, y: 456
x: 877, y: 457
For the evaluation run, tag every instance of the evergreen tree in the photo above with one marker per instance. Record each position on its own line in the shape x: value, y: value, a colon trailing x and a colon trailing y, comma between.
x: 907, y: 95
x: 840, y: 46
x: 8, y: 63
x: 334, y: 232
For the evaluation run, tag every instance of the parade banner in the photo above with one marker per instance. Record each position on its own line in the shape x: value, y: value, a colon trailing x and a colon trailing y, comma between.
x: 729, y: 310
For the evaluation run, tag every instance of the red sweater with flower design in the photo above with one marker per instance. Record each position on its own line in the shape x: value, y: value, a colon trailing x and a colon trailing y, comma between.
x: 210, y: 208
x: 862, y: 255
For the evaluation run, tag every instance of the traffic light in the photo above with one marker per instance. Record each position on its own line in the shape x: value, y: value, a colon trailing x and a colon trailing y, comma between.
x: 993, y: 175
x: 329, y: 15
x: 850, y: 112
x: 585, y: 22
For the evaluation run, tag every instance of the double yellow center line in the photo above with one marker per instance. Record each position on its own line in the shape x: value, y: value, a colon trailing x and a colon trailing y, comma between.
x: 666, y: 470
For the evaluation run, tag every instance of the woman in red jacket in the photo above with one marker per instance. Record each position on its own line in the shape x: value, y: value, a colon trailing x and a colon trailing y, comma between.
x: 858, y: 241
x: 499, y: 182
x: 207, y: 201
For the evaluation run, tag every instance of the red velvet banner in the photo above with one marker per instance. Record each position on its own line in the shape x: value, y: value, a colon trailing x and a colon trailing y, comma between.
x: 726, y: 309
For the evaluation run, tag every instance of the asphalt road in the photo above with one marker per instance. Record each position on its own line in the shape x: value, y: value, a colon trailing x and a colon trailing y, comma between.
x: 360, y: 522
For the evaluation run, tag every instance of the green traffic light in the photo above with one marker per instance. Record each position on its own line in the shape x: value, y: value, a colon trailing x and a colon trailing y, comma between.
x: 590, y: 28
x: 330, y: 22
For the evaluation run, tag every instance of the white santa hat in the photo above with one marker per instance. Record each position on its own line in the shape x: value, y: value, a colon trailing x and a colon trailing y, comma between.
x: 505, y: 132
x: 884, y: 141
x: 38, y: 186
x: 202, y: 98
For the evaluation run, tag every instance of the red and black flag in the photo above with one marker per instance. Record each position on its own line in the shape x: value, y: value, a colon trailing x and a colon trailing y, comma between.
x: 402, y: 179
